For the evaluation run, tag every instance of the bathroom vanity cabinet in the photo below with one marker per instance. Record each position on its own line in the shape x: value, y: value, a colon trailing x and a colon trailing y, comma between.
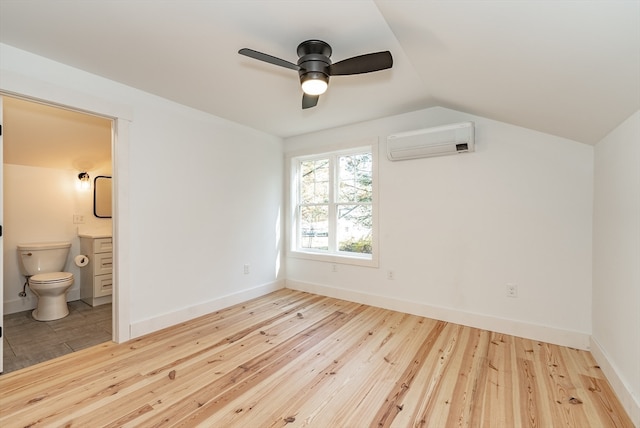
x: 96, y: 279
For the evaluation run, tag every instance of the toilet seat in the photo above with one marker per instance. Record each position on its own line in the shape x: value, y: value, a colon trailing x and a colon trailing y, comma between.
x: 50, y: 278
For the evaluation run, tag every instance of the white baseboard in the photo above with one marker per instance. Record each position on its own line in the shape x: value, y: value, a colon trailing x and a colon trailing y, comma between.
x: 541, y: 333
x: 629, y: 400
x: 140, y: 328
x: 18, y: 305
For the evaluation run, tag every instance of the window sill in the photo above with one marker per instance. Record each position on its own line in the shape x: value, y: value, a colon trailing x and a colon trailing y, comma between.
x: 335, y: 258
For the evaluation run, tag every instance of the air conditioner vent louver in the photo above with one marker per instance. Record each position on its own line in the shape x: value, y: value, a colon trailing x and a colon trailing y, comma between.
x: 438, y: 141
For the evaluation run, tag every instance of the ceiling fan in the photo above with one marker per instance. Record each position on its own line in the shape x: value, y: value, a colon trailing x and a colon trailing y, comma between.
x: 314, y: 66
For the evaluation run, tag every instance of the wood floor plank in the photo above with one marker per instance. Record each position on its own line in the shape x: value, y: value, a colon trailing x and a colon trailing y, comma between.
x: 394, y: 402
x: 301, y: 360
x: 195, y: 368
x: 359, y: 397
x: 182, y: 332
x: 250, y: 372
x: 502, y: 393
x: 438, y: 397
x: 307, y: 376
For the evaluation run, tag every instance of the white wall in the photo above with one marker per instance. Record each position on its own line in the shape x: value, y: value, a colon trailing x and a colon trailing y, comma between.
x: 197, y: 196
x: 210, y: 197
x: 39, y: 204
x: 455, y: 230
x: 616, y: 261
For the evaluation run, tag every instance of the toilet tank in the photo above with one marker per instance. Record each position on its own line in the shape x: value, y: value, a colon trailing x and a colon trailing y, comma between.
x: 42, y: 257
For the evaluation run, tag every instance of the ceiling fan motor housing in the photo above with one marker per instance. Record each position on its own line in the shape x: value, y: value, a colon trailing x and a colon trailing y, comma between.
x: 314, y: 60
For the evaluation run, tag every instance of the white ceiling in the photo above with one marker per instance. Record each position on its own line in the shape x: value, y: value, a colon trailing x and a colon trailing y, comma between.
x: 567, y: 67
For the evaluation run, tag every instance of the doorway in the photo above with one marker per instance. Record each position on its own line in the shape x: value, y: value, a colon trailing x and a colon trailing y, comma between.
x: 46, y: 148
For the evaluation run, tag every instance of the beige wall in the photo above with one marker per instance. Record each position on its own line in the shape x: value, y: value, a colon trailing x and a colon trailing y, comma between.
x: 39, y: 204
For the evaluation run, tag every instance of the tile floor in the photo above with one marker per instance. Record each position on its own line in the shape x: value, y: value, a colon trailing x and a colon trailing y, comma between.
x: 28, y: 342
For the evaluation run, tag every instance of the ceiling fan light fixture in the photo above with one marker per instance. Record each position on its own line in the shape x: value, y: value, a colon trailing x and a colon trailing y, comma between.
x: 314, y: 83
x: 314, y: 66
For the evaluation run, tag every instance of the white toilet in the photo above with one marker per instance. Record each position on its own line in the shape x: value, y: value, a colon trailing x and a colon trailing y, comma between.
x: 42, y: 264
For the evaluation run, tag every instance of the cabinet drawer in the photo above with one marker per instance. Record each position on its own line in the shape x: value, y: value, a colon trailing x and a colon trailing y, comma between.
x: 102, y: 245
x: 103, y: 263
x: 102, y: 285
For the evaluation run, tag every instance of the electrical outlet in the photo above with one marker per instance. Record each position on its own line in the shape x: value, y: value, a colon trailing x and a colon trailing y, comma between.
x: 391, y: 274
x: 78, y: 219
x: 334, y: 268
x: 512, y: 290
x: 247, y: 269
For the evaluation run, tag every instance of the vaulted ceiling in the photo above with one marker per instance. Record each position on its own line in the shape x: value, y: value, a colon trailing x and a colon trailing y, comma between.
x: 565, y: 67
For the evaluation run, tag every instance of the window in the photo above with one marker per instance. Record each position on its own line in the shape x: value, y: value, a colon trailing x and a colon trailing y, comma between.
x: 333, y: 206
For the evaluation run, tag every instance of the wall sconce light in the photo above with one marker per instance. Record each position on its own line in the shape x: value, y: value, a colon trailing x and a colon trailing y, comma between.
x: 85, y: 180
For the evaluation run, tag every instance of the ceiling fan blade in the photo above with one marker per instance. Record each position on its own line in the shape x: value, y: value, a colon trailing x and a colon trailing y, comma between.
x: 309, y: 101
x: 268, y: 58
x: 362, y: 64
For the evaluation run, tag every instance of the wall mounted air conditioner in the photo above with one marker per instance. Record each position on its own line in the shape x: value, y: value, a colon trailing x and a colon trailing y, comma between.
x: 438, y: 141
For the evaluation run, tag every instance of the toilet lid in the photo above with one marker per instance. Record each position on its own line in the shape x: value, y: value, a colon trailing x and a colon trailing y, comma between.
x: 51, y: 277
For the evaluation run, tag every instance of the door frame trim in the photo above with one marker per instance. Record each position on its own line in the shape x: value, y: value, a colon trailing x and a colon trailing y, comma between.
x: 15, y: 85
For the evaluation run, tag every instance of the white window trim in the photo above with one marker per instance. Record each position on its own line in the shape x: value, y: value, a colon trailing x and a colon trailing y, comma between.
x: 291, y: 218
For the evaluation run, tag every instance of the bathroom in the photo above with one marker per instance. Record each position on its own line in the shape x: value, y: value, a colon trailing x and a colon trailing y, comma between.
x: 45, y: 149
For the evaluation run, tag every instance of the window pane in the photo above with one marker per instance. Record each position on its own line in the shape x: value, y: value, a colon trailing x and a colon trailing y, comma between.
x: 354, y: 228
x: 355, y: 178
x: 314, y: 181
x: 314, y: 227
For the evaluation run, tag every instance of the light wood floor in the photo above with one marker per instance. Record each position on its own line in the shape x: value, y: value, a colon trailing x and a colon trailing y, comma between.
x: 298, y: 359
